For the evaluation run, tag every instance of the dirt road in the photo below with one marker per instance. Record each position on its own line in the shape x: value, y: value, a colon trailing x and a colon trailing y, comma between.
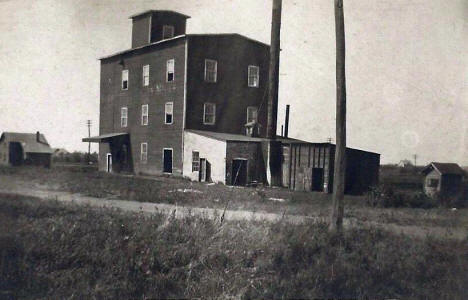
x: 229, y: 215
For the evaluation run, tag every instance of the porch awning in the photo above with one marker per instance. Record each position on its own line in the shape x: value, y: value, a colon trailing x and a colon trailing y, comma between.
x: 104, y: 137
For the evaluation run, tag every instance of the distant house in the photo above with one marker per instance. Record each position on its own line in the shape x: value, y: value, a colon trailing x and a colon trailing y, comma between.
x: 25, y: 148
x: 443, y: 179
x: 60, y: 152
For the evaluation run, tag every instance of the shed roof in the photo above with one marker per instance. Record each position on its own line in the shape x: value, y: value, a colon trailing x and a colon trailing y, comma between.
x: 28, y: 141
x: 150, y: 11
x: 104, y: 137
x: 239, y: 137
x: 444, y: 168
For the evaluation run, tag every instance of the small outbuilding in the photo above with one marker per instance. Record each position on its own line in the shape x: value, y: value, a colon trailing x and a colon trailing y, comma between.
x: 25, y: 149
x: 443, y: 179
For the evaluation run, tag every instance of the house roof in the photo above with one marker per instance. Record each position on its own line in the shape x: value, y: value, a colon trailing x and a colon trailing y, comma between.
x: 28, y: 141
x: 444, y: 168
x: 181, y: 37
x: 150, y: 11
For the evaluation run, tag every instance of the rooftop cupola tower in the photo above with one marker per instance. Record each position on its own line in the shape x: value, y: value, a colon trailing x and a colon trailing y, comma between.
x: 156, y: 25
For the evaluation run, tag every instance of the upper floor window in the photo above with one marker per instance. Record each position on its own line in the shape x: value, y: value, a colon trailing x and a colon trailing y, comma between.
x: 254, y: 74
x: 170, y: 70
x: 144, y: 115
x: 124, y: 79
x: 209, y: 114
x: 144, y: 153
x: 145, y: 75
x: 169, y: 107
x: 211, y: 70
x: 123, y: 117
x: 252, y: 114
x: 168, y: 32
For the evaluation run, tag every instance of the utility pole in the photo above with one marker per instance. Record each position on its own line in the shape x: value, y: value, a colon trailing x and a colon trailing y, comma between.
x: 273, y: 78
x: 336, y: 220
x: 88, y: 123
x: 415, y: 158
x: 271, y: 146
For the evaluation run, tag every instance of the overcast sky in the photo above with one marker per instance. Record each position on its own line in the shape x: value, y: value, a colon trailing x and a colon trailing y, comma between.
x: 407, y: 68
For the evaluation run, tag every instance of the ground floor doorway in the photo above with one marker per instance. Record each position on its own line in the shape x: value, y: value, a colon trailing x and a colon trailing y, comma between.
x: 167, y: 160
x: 317, y: 179
x: 109, y: 163
x: 16, y: 154
x: 239, y: 172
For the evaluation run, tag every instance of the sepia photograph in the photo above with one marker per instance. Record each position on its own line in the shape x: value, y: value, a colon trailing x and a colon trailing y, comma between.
x: 233, y: 149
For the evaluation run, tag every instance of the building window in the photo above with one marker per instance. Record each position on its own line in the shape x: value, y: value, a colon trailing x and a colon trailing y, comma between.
x: 195, y: 161
x: 125, y: 80
x: 144, y: 115
x: 144, y: 153
x: 252, y: 114
x: 170, y: 70
x: 433, y: 183
x: 123, y: 116
x: 169, y: 108
x: 168, y: 32
x: 211, y: 70
x: 254, y: 74
x: 209, y: 114
x: 146, y: 75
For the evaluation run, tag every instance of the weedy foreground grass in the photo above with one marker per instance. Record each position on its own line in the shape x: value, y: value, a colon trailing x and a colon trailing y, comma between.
x: 48, y: 250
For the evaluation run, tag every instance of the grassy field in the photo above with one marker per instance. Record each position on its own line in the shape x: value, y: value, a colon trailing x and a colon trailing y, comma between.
x: 87, y: 181
x: 51, y: 251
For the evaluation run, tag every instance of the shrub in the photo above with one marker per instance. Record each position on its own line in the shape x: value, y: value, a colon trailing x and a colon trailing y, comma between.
x: 386, y: 196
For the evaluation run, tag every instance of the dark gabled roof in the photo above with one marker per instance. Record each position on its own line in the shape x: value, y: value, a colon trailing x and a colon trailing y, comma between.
x: 444, y: 168
x: 183, y: 37
x: 150, y: 11
x: 28, y: 141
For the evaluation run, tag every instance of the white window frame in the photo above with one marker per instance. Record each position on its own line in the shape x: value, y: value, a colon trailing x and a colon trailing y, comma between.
x: 195, y: 162
x: 144, y: 113
x: 172, y: 160
x: 124, y: 116
x: 144, y: 154
x: 204, y: 113
x: 146, y: 75
x: 256, y: 110
x: 250, y: 75
x: 208, y: 72
x: 125, y: 77
x: 168, y: 71
x: 166, y: 112
x: 172, y: 30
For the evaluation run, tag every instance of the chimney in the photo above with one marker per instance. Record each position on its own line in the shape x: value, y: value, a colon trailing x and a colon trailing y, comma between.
x: 38, y: 137
x: 286, y: 122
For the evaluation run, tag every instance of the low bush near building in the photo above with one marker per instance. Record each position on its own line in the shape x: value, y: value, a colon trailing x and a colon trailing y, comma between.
x: 51, y: 251
x: 386, y: 196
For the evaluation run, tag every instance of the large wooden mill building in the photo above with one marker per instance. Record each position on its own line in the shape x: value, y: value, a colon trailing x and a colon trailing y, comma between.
x: 193, y: 105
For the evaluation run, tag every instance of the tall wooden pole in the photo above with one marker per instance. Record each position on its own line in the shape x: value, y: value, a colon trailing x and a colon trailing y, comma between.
x: 273, y: 79
x: 336, y: 222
